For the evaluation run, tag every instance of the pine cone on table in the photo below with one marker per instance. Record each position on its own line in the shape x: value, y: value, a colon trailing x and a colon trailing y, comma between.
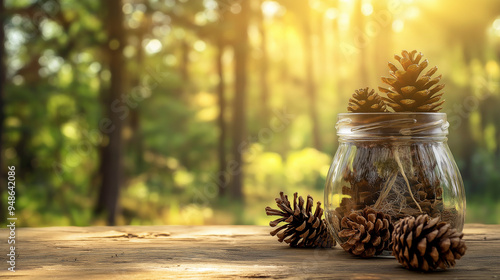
x: 426, y: 244
x: 368, y: 232
x: 303, y: 228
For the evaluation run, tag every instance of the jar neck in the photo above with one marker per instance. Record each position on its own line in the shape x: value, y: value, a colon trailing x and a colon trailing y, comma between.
x: 392, y: 127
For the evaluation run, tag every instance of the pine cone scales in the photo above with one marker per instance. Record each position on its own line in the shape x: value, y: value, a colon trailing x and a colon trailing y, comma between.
x: 407, y: 91
x: 368, y: 232
x: 425, y: 244
x: 304, y: 228
x: 364, y: 101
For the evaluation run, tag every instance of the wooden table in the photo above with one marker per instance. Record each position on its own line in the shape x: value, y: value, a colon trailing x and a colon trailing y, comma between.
x: 183, y: 252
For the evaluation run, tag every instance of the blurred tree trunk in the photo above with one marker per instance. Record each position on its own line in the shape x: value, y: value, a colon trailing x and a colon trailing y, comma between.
x: 2, y: 112
x: 321, y: 55
x: 111, y: 153
x: 184, y: 60
x: 384, y: 47
x: 136, y: 141
x: 221, y: 148
x: 338, y: 83
x: 264, y: 69
x: 310, y: 78
x: 240, y: 45
x: 358, y: 22
x: 285, y: 75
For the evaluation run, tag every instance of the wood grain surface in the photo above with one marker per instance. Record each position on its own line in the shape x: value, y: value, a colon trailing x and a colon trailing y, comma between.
x: 215, y: 252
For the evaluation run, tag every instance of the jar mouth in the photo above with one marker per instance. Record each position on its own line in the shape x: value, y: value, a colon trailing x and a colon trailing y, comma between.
x: 412, y: 125
x: 394, y: 113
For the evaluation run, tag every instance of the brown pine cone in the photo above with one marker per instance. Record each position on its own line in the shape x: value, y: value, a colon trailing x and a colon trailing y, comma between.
x: 409, y: 91
x: 364, y: 101
x: 303, y: 228
x: 425, y: 244
x: 368, y: 232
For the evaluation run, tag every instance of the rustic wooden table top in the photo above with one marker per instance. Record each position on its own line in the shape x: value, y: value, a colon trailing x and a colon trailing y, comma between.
x: 184, y: 252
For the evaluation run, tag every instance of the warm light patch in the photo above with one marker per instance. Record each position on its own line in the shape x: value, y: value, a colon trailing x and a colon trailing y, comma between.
x: 69, y: 130
x: 270, y: 8
x: 200, y: 46
x: 398, y: 25
x: 331, y: 13
x: 153, y: 46
x: 367, y: 9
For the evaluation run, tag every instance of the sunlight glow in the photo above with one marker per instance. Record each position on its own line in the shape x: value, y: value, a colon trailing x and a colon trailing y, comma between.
x: 235, y: 8
x: 170, y: 60
x: 200, y: 46
x: 496, y: 24
x: 50, y: 29
x: 344, y: 20
x: 129, y: 51
x: 367, y: 9
x: 210, y: 4
x: 69, y: 130
x: 153, y: 46
x: 332, y: 13
x: 17, y: 80
x: 270, y: 8
x: 412, y: 12
x: 137, y: 16
x: 398, y: 25
x: 127, y: 8
x: 94, y: 67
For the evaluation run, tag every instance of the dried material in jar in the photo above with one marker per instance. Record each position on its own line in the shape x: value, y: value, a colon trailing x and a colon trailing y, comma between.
x: 398, y: 180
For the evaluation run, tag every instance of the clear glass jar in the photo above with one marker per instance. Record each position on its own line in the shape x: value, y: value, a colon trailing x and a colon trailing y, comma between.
x: 398, y: 163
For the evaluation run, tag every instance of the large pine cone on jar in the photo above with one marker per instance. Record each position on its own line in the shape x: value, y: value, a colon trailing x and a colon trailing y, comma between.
x: 409, y: 91
x: 303, y: 228
x: 426, y: 244
x: 368, y: 232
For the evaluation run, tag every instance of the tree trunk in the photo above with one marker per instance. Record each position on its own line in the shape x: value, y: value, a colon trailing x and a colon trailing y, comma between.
x: 321, y: 54
x: 221, y: 122
x: 359, y: 23
x: 111, y: 154
x: 263, y: 71
x: 310, y: 79
x: 384, y: 40
x: 240, y: 46
x: 335, y: 74
x: 184, y: 60
x: 136, y: 140
x: 2, y: 112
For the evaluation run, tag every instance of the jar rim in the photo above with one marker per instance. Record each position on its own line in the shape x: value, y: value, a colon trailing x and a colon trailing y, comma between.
x: 415, y: 125
x: 393, y: 113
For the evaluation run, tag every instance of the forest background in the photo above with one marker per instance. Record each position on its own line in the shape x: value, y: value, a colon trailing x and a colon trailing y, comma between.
x: 199, y: 112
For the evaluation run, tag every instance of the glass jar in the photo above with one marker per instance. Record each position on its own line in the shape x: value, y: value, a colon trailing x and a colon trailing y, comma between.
x: 397, y: 163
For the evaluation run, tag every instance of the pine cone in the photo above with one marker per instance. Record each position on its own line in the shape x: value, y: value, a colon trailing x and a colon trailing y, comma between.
x: 303, y: 228
x: 364, y: 101
x: 407, y: 91
x: 369, y: 232
x: 425, y: 244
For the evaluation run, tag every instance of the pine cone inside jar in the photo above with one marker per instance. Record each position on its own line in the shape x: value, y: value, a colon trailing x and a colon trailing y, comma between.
x: 303, y: 228
x: 426, y: 244
x: 368, y: 232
